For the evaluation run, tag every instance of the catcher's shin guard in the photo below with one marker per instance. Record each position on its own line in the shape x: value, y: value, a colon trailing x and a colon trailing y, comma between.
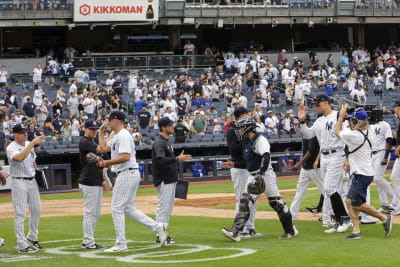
x: 283, y: 212
x: 243, y: 214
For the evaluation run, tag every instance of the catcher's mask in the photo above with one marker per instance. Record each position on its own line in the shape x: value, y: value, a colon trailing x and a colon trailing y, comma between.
x: 244, y: 126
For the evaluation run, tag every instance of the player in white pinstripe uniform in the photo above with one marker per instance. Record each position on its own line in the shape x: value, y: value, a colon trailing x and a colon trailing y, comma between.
x: 331, y: 160
x: 164, y: 171
x: 24, y: 188
x: 91, y: 185
x: 2, y: 182
x: 123, y: 162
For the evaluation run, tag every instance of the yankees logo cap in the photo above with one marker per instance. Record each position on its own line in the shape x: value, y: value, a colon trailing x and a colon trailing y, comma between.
x: 91, y: 124
x: 321, y: 97
x: 19, y: 128
x: 119, y: 115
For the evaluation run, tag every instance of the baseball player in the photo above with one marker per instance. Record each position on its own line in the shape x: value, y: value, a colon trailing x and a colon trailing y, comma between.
x: 165, y: 172
x: 256, y: 154
x: 395, y: 176
x: 332, y: 157
x: 24, y: 189
x: 2, y: 182
x: 240, y: 176
x: 91, y: 185
x: 308, y: 174
x: 123, y: 162
x: 359, y: 154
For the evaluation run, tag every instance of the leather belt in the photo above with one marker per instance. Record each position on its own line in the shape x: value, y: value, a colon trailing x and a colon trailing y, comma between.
x: 327, y: 152
x: 377, y: 151
x: 130, y: 169
x: 24, y: 178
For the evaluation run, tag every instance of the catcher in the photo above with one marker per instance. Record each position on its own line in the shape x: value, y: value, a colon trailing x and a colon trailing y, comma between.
x: 256, y: 154
x: 91, y: 184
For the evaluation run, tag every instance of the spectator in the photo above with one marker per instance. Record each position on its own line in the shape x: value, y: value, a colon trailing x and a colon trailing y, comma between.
x: 197, y: 101
x: 12, y: 122
x: 188, y: 122
x: 42, y: 113
x: 260, y: 125
x: 48, y: 128
x: 18, y: 115
x: 14, y: 98
x: 329, y: 87
x: 48, y: 74
x: 3, y: 76
x: 38, y: 95
x: 66, y: 131
x: 199, y: 125
x: 358, y: 95
x: 32, y: 132
x: 182, y: 105
x: 180, y: 131
x: 61, y: 94
x: 57, y: 124
x: 216, y: 127
x: 69, y: 52
x: 75, y: 126
x: 189, y: 48
x: 79, y: 75
x: 110, y: 81
x: 92, y: 78
x: 89, y: 106
x: 139, y: 105
x: 37, y: 74
x: 275, y: 98
x: 289, y: 93
x: 117, y: 86
x: 137, y: 136
x: 144, y: 121
x: 29, y: 108
x: 72, y: 105
x: 171, y: 115
x: 73, y: 88
x: 281, y: 58
x: 344, y: 59
x: 270, y: 124
x: 198, y: 169
x: 132, y: 82
x: 85, y: 79
x: 57, y: 107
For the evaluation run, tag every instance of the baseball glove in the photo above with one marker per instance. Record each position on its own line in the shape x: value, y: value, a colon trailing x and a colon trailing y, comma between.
x: 256, y: 187
x: 94, y: 159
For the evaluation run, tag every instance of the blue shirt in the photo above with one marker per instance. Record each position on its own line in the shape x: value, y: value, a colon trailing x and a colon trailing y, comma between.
x: 198, y: 103
x: 345, y: 60
x: 139, y: 106
x: 276, y: 96
x: 207, y: 103
x: 92, y: 75
x: 29, y: 109
x: 329, y: 89
x: 198, y: 170
x: 85, y: 78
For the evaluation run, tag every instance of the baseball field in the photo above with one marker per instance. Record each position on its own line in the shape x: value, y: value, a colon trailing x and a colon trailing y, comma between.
x: 196, y: 227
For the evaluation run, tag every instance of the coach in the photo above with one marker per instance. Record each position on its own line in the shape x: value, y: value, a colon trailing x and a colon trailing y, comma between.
x: 91, y: 185
x: 24, y: 188
x: 165, y: 174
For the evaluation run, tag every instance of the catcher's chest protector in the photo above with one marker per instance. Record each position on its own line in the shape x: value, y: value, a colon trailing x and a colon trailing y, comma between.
x: 253, y: 160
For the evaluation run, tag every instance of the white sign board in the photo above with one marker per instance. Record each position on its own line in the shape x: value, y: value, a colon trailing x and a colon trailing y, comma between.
x: 6, y: 174
x: 115, y: 10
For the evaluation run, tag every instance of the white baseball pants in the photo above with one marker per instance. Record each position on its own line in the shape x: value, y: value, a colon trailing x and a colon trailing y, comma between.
x: 123, y: 203
x: 384, y: 188
x: 395, y: 178
x: 23, y: 192
x: 166, y: 201
x: 92, y: 198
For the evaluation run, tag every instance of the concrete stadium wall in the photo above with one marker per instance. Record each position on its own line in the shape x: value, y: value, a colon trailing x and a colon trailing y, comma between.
x: 22, y: 65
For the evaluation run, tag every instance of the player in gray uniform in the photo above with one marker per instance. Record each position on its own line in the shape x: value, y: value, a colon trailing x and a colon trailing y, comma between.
x: 2, y: 182
x: 332, y: 158
x: 91, y: 185
x: 24, y: 188
x: 165, y: 174
x: 256, y: 154
x: 123, y: 162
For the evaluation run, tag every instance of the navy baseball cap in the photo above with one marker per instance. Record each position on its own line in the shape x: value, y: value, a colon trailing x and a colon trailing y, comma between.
x: 165, y: 122
x: 91, y: 124
x: 240, y: 111
x: 119, y: 115
x: 321, y: 97
x: 19, y: 128
x: 360, y: 115
x: 397, y: 103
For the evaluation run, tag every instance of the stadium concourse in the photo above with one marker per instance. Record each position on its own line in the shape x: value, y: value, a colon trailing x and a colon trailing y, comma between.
x: 58, y: 98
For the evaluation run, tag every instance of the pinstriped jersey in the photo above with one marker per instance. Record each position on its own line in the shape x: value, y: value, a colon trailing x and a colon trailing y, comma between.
x: 24, y: 168
x: 122, y: 143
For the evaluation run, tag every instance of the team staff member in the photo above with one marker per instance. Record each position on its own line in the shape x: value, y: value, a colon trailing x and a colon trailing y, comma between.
x: 2, y: 182
x: 332, y: 157
x: 165, y: 174
x: 123, y: 162
x: 361, y: 167
x: 91, y: 185
x: 24, y: 189
x: 239, y: 174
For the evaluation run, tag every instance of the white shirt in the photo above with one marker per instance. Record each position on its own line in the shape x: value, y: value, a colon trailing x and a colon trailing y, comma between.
x: 132, y: 84
x: 3, y: 76
x: 73, y: 103
x: 37, y: 74
x: 91, y: 104
x: 42, y: 115
x: 242, y: 67
x: 379, y: 133
x: 109, y: 83
x: 360, y: 160
x: 122, y: 143
x: 24, y: 168
x: 172, y: 116
x: 75, y: 128
x: 324, y: 129
x: 359, y: 94
x: 72, y: 89
x: 37, y: 97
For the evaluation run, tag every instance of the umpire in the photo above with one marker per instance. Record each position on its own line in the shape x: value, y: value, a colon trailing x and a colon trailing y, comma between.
x: 91, y: 185
x: 165, y: 174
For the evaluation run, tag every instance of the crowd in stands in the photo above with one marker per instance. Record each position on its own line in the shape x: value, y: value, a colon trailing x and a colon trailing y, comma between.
x: 61, y: 97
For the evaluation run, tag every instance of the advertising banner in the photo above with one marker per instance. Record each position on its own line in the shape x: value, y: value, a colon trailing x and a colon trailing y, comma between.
x: 115, y: 10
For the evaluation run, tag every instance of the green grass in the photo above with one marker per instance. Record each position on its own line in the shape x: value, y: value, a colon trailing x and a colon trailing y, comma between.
x: 311, y: 248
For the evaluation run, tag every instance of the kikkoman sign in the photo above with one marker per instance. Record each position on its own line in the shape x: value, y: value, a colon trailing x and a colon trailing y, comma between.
x: 115, y: 10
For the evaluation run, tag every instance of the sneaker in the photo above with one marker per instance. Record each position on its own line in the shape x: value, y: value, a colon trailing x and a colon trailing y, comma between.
x: 387, y: 225
x: 116, y: 248
x: 94, y: 246
x: 344, y: 224
x: 333, y: 229
x: 28, y: 250
x: 354, y: 236
x: 2, y: 242
x: 163, y: 234
x: 368, y: 220
x: 34, y: 243
x: 170, y: 241
x: 228, y: 233
x: 245, y: 235
x: 253, y: 233
x: 386, y: 209
x: 289, y: 236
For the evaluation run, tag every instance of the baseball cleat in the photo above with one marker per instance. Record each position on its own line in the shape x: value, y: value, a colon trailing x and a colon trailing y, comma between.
x: 344, y: 224
x: 34, y: 243
x: 94, y: 246
x: 368, y: 220
x: 28, y: 250
x: 226, y: 232
x: 170, y: 241
x: 354, y: 236
x: 387, y: 225
x: 245, y: 235
x: 253, y: 233
x: 2, y: 242
x: 386, y: 209
x: 333, y: 229
x: 116, y: 248
x: 163, y: 234
x: 289, y: 236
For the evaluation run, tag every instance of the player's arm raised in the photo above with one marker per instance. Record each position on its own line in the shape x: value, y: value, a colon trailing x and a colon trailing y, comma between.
x: 102, y: 147
x: 305, y: 130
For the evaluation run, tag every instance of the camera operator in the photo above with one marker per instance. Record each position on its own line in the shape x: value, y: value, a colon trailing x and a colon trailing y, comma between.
x: 359, y: 152
x: 331, y: 157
